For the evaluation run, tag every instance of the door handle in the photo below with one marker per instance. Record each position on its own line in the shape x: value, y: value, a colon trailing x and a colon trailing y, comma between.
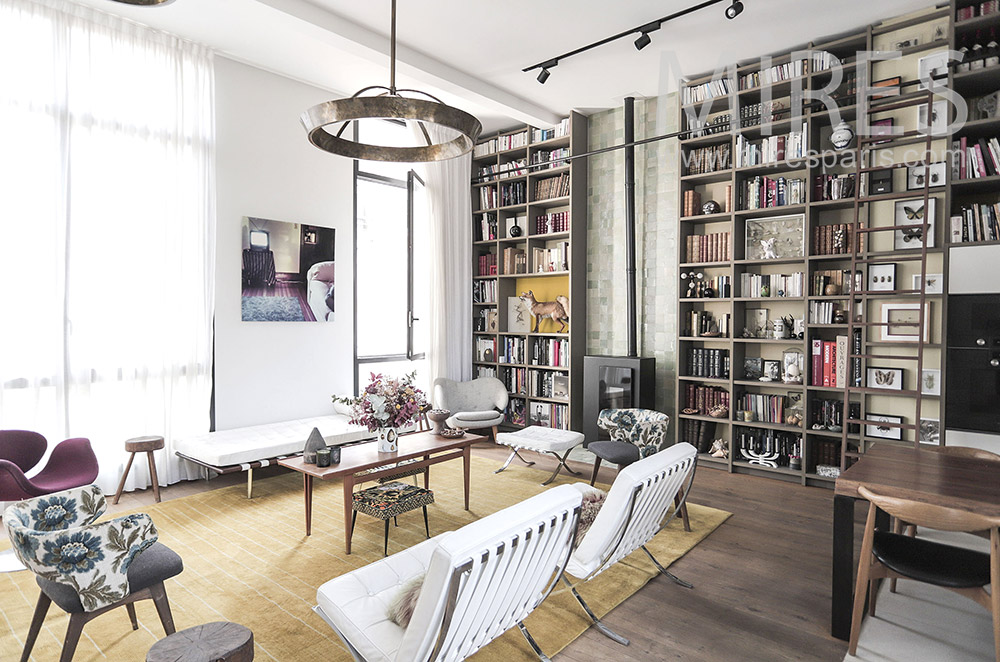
x: 995, y: 363
x: 981, y: 342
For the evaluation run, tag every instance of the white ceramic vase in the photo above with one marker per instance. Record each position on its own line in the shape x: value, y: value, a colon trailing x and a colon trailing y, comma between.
x: 388, y: 440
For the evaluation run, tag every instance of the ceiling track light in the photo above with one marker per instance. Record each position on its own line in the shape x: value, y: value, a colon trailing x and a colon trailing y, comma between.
x: 544, y: 74
x: 644, y: 40
x: 734, y: 10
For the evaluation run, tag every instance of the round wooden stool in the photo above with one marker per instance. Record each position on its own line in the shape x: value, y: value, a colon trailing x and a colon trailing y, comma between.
x: 211, y: 642
x: 138, y: 445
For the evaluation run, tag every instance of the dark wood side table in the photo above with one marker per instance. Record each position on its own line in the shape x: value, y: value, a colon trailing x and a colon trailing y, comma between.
x: 211, y: 642
x: 922, y: 474
x: 139, y: 445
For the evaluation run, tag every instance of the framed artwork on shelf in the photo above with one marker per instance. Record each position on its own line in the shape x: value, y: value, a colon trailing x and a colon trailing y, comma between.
x: 930, y: 431
x: 916, y: 176
x: 753, y: 368
x: 882, y: 278
x: 491, y: 321
x: 892, y: 83
x: 932, y: 66
x: 901, y: 321
x: 882, y: 128
x: 937, y: 124
x: 930, y: 381
x: 772, y: 371
x: 756, y: 322
x: 775, y: 238
x: 890, y: 379
x: 912, y: 212
x: 883, y: 431
x: 518, y: 317
x: 935, y: 283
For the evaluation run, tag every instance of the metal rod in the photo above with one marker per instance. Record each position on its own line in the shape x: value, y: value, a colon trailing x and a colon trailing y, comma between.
x: 392, y: 52
x: 630, y: 311
x: 552, y: 61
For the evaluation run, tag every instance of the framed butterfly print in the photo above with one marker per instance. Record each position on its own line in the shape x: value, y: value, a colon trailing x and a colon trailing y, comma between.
x: 912, y: 212
x: 891, y: 379
x: 883, y: 431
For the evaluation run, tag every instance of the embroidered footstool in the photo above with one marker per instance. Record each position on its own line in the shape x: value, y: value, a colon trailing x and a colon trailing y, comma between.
x: 541, y: 440
x: 389, y: 500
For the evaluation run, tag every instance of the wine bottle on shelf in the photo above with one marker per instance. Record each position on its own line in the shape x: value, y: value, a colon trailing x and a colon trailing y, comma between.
x: 963, y: 62
x: 992, y: 57
x: 976, y: 55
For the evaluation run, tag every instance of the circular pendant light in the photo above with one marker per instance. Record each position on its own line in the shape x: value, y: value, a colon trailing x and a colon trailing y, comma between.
x: 461, y: 128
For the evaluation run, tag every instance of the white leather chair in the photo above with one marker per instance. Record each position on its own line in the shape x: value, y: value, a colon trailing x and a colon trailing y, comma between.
x: 474, y: 405
x: 637, y: 507
x: 479, y: 582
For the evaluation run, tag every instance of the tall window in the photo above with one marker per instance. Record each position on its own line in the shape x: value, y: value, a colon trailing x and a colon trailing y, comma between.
x: 391, y: 273
x: 107, y: 216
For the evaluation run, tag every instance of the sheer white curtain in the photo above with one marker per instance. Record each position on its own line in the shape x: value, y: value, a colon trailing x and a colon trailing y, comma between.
x: 108, y: 232
x: 449, y: 201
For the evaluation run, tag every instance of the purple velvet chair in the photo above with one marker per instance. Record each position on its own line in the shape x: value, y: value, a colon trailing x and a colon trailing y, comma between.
x: 72, y: 464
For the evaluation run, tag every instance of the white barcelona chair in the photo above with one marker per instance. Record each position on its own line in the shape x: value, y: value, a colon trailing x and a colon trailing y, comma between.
x: 479, y: 582
x: 639, y: 504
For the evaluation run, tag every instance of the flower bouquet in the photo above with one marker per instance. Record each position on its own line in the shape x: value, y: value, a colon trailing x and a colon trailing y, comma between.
x: 385, y: 404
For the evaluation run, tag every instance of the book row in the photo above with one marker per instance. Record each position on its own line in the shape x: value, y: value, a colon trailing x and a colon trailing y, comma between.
x: 833, y: 187
x: 549, y: 415
x: 774, y: 74
x: 766, y: 192
x: 557, y: 221
x: 831, y: 282
x: 484, y: 291
x: 764, y: 286
x: 486, y: 349
x: 552, y: 187
x: 822, y: 312
x: 704, y: 398
x: 697, y: 433
x: 829, y: 362
x: 702, y: 324
x: 548, y: 384
x: 487, y: 228
x: 974, y: 158
x: 980, y: 222
x: 551, y: 352
x: 829, y: 415
x: 773, y: 149
x: 713, y: 247
x: 974, y: 10
x: 503, y: 170
x: 515, y: 380
x: 512, y: 350
x: 551, y: 259
x: 763, y: 407
x: 713, y: 287
x: 551, y: 158
x: 708, y: 159
x: 558, y: 131
x: 515, y: 261
x: 834, y: 239
x: 708, y: 363
x: 487, y: 265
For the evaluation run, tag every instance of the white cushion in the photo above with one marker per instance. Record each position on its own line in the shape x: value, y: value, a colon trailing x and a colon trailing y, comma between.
x: 541, y: 439
x: 477, y: 415
x: 260, y: 442
x: 357, y: 603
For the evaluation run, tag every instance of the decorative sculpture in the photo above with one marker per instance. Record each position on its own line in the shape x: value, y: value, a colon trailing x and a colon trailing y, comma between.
x: 554, y: 310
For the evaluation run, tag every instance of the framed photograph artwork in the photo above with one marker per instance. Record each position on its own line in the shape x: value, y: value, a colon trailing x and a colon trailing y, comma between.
x: 930, y: 381
x: 901, y: 321
x: 775, y: 238
x: 518, y: 317
x: 912, y: 212
x: 753, y: 368
x: 931, y: 66
x: 938, y: 121
x: 935, y: 283
x: 891, y: 83
x: 916, y: 176
x: 772, y: 370
x: 890, y: 379
x: 882, y: 128
x: 930, y: 431
x: 881, y: 277
x: 884, y: 431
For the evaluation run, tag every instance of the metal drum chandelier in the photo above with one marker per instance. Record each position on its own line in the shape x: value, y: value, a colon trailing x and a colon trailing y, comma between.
x: 390, y: 104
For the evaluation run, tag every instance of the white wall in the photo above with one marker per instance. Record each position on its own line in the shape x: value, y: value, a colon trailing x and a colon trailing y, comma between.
x: 274, y: 371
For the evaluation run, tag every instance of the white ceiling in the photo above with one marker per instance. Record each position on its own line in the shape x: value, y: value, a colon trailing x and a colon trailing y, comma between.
x: 471, y: 52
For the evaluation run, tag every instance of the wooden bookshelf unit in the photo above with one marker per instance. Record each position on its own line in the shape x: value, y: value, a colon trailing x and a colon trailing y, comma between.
x: 514, y: 187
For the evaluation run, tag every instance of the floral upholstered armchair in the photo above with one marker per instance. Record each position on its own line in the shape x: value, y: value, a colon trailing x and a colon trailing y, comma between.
x: 56, y: 538
x: 644, y: 428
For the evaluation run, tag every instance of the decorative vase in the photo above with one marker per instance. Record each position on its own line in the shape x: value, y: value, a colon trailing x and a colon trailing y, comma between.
x: 515, y: 230
x: 387, y: 438
x: 842, y: 135
x: 437, y: 417
x: 313, y: 444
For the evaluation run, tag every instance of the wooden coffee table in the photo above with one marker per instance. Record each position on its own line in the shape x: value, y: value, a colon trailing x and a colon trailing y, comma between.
x: 425, y: 447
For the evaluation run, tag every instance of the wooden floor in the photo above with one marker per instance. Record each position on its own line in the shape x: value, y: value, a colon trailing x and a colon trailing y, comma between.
x: 761, y: 581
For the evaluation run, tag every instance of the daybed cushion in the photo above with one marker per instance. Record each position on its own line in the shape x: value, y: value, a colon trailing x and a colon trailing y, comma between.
x: 261, y: 442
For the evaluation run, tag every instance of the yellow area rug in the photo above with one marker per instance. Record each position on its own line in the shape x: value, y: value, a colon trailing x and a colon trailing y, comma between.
x: 249, y: 561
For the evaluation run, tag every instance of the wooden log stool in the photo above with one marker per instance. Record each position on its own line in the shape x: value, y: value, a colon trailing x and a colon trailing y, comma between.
x: 138, y: 445
x: 211, y: 642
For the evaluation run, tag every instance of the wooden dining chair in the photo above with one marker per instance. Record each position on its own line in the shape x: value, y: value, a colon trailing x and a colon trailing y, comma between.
x: 886, y: 554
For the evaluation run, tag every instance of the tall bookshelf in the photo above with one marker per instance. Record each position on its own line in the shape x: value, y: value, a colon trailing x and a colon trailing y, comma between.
x: 547, y: 202
x: 862, y: 208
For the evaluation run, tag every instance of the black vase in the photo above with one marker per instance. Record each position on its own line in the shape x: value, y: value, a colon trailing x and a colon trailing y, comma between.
x: 515, y: 230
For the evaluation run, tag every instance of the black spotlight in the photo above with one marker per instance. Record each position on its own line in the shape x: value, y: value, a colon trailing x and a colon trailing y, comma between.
x: 734, y: 10
x: 543, y: 75
x: 642, y: 41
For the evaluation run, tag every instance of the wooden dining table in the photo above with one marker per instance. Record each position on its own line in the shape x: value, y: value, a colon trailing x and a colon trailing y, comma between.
x: 923, y: 474
x: 425, y: 448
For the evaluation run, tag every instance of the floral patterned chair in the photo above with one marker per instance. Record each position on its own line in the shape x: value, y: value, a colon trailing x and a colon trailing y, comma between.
x: 88, y: 567
x: 635, y: 434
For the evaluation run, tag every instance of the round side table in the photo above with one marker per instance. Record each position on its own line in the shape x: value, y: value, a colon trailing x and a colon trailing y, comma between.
x: 211, y: 642
x: 139, y: 445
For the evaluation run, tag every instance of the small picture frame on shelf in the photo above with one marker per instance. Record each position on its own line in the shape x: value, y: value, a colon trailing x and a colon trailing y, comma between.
x: 882, y: 278
x: 892, y: 85
x: 930, y: 431
x: 932, y: 66
x: 753, y: 368
x: 890, y: 379
x: 906, y: 42
x: 518, y: 316
x: 882, y: 127
x: 930, y: 381
x: 877, y: 431
x: 935, y: 283
x: 911, y: 212
x: 772, y: 371
x: 756, y: 322
x: 491, y: 321
x: 775, y: 238
x: 937, y: 124
x: 901, y: 321
x: 916, y: 176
